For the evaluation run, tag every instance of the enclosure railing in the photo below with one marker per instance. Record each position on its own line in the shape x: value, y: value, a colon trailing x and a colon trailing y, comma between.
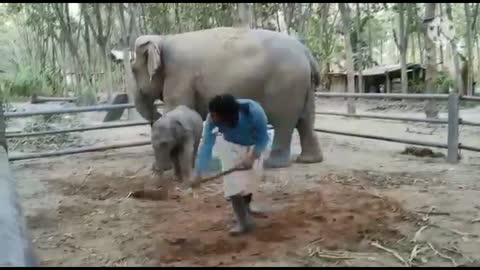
x: 453, y: 145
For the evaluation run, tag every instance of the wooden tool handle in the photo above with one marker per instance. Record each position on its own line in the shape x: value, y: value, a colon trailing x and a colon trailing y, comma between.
x: 206, y: 179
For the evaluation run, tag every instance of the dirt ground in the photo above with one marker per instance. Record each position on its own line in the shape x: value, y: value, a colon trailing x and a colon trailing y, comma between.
x: 364, y: 203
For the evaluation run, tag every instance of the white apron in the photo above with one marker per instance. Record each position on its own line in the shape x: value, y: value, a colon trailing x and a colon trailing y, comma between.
x: 241, y: 182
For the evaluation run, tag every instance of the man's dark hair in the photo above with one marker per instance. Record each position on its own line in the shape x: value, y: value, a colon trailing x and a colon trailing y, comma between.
x: 226, y: 106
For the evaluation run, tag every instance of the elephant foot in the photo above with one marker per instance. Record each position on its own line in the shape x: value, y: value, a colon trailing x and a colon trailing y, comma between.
x: 155, y: 168
x: 277, y: 161
x: 310, y: 158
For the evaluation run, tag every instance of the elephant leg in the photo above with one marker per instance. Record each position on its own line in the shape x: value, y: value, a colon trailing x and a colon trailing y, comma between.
x: 311, y: 151
x: 280, y: 153
x: 195, y: 151
x: 185, y: 158
x: 160, y: 163
x: 176, y: 160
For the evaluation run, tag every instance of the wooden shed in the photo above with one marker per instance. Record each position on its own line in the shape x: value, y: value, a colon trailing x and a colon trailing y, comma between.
x: 378, y: 79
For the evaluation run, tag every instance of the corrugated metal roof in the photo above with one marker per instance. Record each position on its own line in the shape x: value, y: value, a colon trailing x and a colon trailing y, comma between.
x: 379, y: 70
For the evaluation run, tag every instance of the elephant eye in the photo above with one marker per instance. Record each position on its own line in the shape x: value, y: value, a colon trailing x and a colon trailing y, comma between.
x: 162, y: 144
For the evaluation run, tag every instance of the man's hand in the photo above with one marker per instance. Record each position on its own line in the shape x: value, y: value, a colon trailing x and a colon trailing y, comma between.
x: 247, y: 161
x: 194, y: 179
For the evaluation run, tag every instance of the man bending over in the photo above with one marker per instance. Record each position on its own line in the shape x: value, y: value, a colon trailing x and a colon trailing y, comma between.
x: 243, y: 124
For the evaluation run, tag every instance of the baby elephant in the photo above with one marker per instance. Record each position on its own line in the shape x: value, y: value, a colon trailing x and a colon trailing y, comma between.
x: 175, y: 139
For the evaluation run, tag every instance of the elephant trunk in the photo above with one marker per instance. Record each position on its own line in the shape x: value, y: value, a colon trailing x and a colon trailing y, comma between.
x: 146, y: 107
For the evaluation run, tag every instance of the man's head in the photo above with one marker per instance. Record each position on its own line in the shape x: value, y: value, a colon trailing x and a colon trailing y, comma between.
x: 224, y: 109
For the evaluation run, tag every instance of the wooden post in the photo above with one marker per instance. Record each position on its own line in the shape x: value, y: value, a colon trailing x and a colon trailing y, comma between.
x: 453, y: 130
x: 3, y: 139
x: 388, y: 85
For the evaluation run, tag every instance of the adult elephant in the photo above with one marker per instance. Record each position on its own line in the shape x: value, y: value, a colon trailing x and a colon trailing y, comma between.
x: 272, y: 68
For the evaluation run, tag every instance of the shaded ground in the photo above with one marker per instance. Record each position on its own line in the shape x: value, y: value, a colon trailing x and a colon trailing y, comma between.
x: 322, y: 214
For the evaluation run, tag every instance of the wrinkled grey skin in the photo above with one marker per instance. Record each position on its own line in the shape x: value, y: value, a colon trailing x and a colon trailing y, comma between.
x: 175, y: 138
x: 271, y: 68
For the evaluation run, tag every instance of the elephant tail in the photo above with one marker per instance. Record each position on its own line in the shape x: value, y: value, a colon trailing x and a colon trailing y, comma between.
x: 315, y: 74
x: 309, y: 106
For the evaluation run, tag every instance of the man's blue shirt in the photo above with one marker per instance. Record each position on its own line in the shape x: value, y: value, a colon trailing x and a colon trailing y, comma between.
x: 251, y: 129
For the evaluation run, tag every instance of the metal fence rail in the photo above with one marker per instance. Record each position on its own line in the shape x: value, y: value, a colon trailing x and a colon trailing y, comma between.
x: 470, y: 148
x: 382, y: 138
x: 81, y: 129
x: 453, y: 122
x: 73, y: 110
x: 78, y: 151
x: 373, y: 116
x: 470, y: 98
x: 397, y: 118
x: 383, y: 96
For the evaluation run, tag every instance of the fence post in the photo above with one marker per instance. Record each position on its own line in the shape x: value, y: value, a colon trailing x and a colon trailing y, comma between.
x: 453, y: 127
x: 3, y: 139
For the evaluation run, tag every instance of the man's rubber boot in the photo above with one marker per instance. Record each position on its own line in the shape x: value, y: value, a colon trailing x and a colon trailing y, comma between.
x: 253, y: 212
x: 244, y: 222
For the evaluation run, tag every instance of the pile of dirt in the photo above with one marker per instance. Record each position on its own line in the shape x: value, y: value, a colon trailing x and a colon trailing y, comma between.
x: 337, y: 217
x: 421, y: 152
x: 99, y: 186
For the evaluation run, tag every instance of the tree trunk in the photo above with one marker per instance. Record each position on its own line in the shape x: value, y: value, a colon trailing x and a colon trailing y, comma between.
x: 79, y: 70
x: 468, y: 41
x: 128, y: 76
x: 277, y: 18
x: 346, y: 22
x: 359, y: 52
x: 370, y: 42
x: 420, y: 49
x: 431, y: 110
x: 254, y: 16
x: 243, y: 15
x: 442, y: 56
x: 430, y: 51
x: 478, y: 57
x: 177, y: 18
x: 302, y: 21
x: 102, y: 34
x: 456, y: 60
x: 86, y: 36
x: 402, y: 44
x: 381, y: 51
x: 288, y: 14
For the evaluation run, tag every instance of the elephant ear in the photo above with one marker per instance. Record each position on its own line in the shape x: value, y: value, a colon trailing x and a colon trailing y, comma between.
x: 178, y: 130
x: 147, y: 47
x: 153, y: 59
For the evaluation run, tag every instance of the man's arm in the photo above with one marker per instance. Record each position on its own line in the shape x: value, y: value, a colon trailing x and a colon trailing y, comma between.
x: 205, y: 152
x: 260, y: 123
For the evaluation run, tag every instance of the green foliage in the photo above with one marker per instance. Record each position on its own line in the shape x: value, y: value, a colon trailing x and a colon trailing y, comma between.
x: 358, y: 37
x: 416, y: 86
x: 363, y: 59
x: 322, y: 37
x: 27, y: 82
x: 444, y: 82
